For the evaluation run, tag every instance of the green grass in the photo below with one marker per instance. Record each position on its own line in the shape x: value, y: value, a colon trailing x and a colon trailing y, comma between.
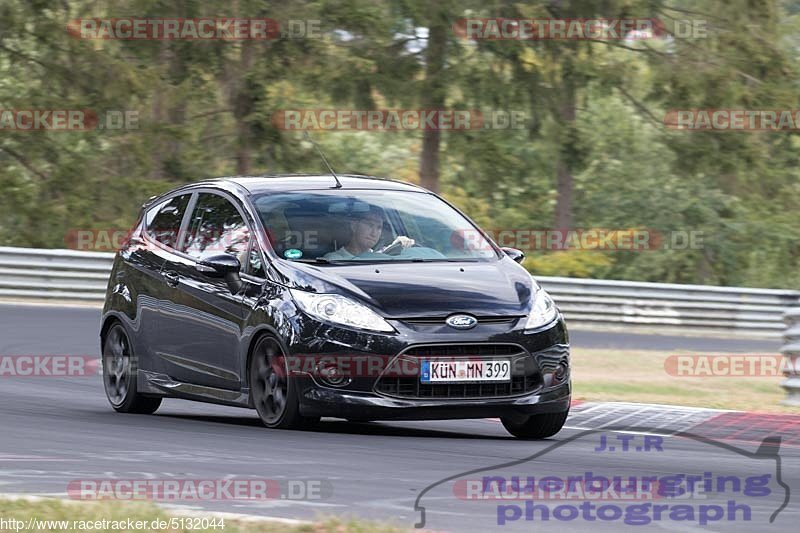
x: 639, y: 376
x: 634, y: 389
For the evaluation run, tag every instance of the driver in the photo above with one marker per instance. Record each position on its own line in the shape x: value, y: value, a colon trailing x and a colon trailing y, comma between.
x: 366, y: 228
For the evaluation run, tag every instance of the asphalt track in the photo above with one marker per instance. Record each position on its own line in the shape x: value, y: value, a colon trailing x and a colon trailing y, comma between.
x: 58, y: 430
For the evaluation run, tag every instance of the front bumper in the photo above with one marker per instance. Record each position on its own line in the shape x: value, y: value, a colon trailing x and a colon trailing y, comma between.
x: 322, y: 401
x: 363, y: 399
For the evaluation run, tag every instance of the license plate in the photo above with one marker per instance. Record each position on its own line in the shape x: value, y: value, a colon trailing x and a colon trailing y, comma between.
x: 496, y: 370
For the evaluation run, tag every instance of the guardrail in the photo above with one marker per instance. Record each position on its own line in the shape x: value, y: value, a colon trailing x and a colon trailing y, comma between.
x: 668, y: 306
x: 30, y: 273
x: 27, y: 273
x: 791, y: 352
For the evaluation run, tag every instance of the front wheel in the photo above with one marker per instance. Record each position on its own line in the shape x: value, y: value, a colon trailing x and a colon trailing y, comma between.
x: 538, y: 426
x: 119, y: 375
x: 273, y: 390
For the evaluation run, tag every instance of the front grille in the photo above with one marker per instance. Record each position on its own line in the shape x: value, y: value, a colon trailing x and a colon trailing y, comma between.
x: 525, y: 374
x: 449, y: 350
x: 440, y: 321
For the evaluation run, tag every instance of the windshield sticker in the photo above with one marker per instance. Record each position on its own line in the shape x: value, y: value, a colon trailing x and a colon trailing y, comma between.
x: 293, y: 253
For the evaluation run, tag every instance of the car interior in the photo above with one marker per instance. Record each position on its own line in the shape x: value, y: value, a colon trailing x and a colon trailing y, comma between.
x: 312, y: 227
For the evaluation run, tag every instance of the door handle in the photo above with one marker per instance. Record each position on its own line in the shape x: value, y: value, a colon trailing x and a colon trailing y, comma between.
x: 171, y: 278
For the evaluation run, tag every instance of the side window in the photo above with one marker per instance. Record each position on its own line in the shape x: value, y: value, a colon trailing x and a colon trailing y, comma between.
x: 217, y: 227
x: 163, y: 221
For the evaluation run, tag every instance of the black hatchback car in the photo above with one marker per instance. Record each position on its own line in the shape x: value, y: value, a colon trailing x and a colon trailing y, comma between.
x: 309, y: 296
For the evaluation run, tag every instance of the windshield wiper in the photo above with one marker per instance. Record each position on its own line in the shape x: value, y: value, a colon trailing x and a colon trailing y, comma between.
x: 415, y: 260
x: 323, y: 261
x: 317, y: 261
x: 439, y: 260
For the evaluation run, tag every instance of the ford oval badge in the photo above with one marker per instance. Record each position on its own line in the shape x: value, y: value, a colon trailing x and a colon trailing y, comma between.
x: 461, y: 321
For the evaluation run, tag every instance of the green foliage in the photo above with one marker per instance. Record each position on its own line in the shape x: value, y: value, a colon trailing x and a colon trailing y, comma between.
x: 205, y: 109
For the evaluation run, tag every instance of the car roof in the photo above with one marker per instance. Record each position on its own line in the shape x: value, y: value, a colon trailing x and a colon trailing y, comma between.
x: 290, y: 182
x: 304, y: 182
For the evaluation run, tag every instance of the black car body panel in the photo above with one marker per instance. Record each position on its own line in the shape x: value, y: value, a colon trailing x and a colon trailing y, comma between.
x: 438, y: 289
x: 192, y: 337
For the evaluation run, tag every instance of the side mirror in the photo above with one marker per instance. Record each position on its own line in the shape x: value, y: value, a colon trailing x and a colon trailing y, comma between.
x: 224, y: 266
x: 513, y: 253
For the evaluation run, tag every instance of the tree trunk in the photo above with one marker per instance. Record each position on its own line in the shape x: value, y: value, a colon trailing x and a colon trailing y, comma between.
x: 433, y: 97
x: 564, y: 189
x: 238, y: 92
x: 176, y: 114
x: 243, y: 106
x: 564, y: 180
x: 158, y: 110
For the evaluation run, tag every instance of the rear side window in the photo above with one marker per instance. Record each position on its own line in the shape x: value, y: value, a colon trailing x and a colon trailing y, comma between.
x: 164, y: 220
x: 217, y: 227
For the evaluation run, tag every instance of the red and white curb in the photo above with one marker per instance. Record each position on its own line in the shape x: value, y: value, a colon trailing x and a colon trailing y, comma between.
x: 717, y: 424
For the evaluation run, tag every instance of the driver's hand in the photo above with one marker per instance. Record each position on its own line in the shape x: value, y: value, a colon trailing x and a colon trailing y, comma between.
x: 405, y: 242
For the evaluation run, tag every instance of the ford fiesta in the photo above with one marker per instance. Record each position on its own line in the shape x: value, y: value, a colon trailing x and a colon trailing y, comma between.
x: 321, y: 296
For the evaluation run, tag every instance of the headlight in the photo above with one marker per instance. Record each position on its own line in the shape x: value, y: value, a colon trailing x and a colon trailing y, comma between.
x: 543, y: 310
x: 340, y: 310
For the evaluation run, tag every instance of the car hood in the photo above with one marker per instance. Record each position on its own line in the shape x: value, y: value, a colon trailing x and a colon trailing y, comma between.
x: 405, y: 290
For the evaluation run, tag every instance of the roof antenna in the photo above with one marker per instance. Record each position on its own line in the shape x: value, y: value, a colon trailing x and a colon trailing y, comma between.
x: 324, y: 159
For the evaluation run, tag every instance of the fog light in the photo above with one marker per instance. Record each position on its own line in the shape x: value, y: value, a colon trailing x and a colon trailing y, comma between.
x: 330, y: 374
x: 560, y: 373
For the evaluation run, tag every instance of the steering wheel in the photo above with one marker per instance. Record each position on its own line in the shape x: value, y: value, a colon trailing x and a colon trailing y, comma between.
x: 395, y: 249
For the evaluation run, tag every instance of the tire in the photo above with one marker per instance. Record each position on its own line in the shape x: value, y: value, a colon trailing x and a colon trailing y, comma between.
x: 119, y: 375
x: 273, y: 390
x: 538, y: 426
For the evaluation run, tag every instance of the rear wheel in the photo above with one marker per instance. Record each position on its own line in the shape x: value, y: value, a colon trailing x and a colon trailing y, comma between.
x: 273, y: 390
x: 119, y: 375
x: 538, y: 426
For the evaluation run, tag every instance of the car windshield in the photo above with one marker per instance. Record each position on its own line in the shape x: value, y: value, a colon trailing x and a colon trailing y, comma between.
x: 368, y: 226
